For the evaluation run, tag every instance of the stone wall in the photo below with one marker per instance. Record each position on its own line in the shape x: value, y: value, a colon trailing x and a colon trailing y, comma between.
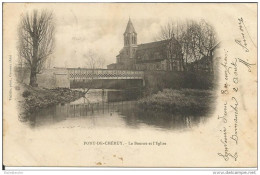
x: 61, y: 76
x: 46, y: 79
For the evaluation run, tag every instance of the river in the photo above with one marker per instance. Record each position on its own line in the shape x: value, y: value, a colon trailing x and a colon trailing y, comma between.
x: 107, y: 128
x: 104, y: 109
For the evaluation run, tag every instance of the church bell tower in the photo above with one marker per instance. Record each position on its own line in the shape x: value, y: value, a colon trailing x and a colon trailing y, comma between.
x: 130, y: 39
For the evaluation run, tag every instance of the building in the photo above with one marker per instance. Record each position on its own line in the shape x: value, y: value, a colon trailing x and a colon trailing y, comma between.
x: 208, y: 63
x: 160, y: 55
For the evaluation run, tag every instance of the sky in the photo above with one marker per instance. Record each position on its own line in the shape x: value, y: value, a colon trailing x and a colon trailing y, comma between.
x: 77, y: 34
x: 99, y: 27
x: 96, y: 27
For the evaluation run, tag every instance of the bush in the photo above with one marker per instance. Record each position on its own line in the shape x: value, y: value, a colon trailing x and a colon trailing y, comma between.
x: 157, y: 80
x: 184, y: 100
x: 26, y: 93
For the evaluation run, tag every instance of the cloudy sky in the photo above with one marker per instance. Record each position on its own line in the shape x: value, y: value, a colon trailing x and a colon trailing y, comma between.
x: 96, y: 27
x: 77, y: 34
x: 99, y: 27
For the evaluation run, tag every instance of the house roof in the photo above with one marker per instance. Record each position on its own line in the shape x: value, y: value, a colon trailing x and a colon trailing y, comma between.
x: 130, y: 28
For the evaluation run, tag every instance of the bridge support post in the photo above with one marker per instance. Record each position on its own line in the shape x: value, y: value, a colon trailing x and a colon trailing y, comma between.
x: 143, y: 83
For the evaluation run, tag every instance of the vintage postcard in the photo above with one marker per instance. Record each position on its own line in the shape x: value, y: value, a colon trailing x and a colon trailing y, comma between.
x: 170, y: 85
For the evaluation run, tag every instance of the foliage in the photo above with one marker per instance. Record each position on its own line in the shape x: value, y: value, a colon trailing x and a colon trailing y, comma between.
x: 26, y: 93
x: 178, y: 100
x: 35, y: 98
x: 158, y: 80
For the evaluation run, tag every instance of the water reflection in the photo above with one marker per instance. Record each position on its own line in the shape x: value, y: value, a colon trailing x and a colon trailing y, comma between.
x: 111, y: 108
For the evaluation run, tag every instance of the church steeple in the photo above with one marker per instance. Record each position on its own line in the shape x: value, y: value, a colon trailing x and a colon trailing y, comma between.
x: 130, y: 35
x: 130, y: 28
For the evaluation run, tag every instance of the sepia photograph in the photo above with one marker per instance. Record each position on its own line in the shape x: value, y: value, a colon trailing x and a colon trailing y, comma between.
x: 170, y: 85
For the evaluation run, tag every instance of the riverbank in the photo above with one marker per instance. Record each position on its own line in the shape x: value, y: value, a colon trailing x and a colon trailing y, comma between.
x: 184, y: 100
x: 32, y: 99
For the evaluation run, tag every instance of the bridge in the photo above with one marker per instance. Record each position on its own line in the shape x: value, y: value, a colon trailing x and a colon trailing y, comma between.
x: 98, y: 78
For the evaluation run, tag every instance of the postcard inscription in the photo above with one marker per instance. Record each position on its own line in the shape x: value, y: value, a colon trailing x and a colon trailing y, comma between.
x: 229, y: 117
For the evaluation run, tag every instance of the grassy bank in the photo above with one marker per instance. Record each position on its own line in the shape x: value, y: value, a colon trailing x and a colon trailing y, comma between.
x: 32, y: 99
x: 184, y: 100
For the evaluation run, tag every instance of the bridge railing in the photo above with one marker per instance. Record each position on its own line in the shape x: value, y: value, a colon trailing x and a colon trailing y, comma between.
x: 82, y: 73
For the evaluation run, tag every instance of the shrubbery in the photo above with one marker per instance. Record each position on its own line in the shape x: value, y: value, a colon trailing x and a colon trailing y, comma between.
x: 26, y: 93
x: 184, y: 100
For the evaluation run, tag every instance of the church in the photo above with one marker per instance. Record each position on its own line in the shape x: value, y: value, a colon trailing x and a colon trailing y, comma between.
x: 160, y: 55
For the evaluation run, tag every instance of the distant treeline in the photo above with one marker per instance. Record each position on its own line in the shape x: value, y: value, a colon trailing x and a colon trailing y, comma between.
x: 158, y: 80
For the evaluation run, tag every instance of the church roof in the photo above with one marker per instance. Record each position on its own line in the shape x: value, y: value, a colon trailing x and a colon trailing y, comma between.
x: 151, y: 45
x: 150, y: 52
x: 130, y: 28
x: 154, y: 51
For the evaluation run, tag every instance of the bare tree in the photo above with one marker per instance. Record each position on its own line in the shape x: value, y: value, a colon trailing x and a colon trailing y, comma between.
x: 93, y: 60
x: 21, y: 70
x: 36, y: 41
x: 49, y: 62
x: 202, y: 39
x: 208, y: 38
x: 196, y: 39
x: 185, y: 43
x: 167, y: 31
x: 172, y: 31
x: 194, y: 36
